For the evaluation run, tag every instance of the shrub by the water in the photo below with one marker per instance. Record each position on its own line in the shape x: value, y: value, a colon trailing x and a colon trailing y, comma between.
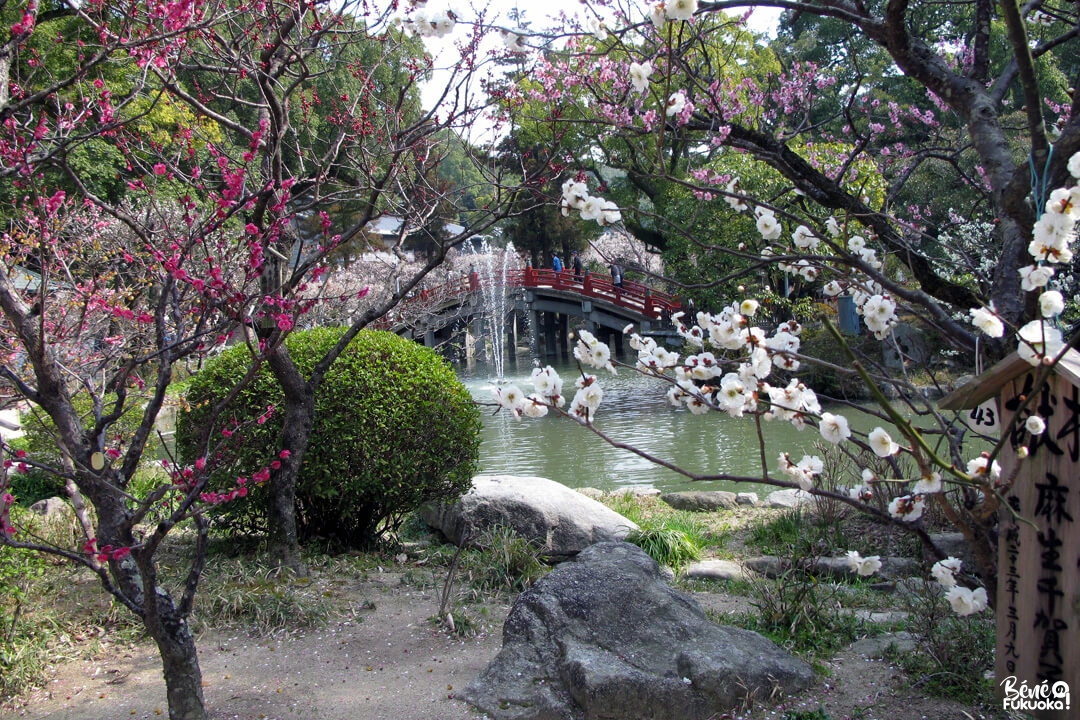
x: 394, y: 428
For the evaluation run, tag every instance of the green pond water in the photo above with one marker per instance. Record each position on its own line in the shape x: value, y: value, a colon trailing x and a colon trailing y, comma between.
x: 633, y: 411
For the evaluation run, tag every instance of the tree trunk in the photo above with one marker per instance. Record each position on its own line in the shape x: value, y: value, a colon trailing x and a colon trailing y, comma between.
x: 298, y: 423
x: 179, y: 660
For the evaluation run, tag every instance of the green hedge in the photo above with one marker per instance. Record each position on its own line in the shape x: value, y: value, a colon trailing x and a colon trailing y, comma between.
x: 394, y: 428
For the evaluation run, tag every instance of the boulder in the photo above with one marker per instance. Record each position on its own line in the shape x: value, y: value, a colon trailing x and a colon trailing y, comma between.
x: 700, y: 500
x: 604, y: 636
x: 954, y: 544
x: 50, y: 507
x: 563, y: 521
x: 747, y: 498
x: 788, y: 498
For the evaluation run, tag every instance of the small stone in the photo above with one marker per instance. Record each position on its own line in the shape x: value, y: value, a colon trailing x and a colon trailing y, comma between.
x: 715, y: 570
x: 700, y: 500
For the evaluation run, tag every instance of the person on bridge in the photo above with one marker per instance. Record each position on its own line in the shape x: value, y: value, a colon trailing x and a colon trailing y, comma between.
x: 616, y: 275
x: 576, y: 264
x: 556, y: 263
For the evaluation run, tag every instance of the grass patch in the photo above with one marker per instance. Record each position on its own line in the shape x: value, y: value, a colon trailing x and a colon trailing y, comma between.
x: 246, y: 593
x: 799, y: 526
x: 669, y: 546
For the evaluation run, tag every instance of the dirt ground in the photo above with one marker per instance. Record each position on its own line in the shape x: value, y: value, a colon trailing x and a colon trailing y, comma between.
x: 392, y: 662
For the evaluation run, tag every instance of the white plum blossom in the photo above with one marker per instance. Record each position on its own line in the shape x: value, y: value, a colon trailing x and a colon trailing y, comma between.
x: 944, y: 571
x: 807, y: 271
x: 1039, y: 340
x: 574, y: 194
x: 982, y: 467
x: 1035, y: 276
x: 590, y: 351
x: 676, y: 103
x: 966, y: 601
x: 1074, y: 166
x: 592, y: 208
x: 863, y: 566
x: 431, y: 23
x: 768, y: 226
x: 695, y: 402
x: 792, y: 403
x: 1065, y: 201
x: 987, y: 321
x: 928, y: 485
x: 802, y: 472
x: 680, y: 9
x: 510, y: 397
x: 514, y: 42
x: 535, y: 406
x: 879, y: 314
x: 862, y: 493
x: 736, y: 203
x: 657, y: 15
x: 908, y: 508
x: 832, y: 288
x: 1035, y: 425
x: 748, y: 307
x: 1052, y: 235
x: 832, y: 226
x: 804, y: 238
x: 732, y: 396
x: 1051, y: 303
x: 882, y: 443
x: 834, y: 428
x: 598, y: 29
x: 783, y: 343
x: 548, y: 384
x: 609, y: 213
x: 856, y: 243
x: 587, y: 399
x: 639, y: 75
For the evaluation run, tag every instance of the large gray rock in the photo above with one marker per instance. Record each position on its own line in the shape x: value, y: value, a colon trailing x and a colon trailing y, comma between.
x: 50, y: 507
x: 605, y: 638
x: 788, y: 498
x: 564, y: 522
x: 700, y: 500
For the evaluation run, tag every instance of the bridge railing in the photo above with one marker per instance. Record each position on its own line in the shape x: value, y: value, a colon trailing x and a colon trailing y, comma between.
x: 631, y: 295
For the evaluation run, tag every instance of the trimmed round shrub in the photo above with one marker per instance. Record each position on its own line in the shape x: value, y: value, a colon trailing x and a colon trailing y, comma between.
x: 394, y: 428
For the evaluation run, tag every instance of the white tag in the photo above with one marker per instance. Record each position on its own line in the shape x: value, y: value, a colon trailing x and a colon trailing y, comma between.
x: 985, y: 417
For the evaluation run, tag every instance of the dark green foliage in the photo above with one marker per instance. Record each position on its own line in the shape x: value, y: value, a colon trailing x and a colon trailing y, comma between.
x: 393, y: 429
x: 34, y: 484
x: 45, y: 463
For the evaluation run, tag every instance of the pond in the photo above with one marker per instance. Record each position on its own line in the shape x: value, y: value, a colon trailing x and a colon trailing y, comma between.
x: 634, y: 411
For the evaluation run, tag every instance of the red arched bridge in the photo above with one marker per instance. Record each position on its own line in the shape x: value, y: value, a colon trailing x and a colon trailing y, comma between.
x: 549, y: 298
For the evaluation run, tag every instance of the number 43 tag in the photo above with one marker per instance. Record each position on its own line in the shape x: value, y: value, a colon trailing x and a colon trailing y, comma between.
x: 984, y: 418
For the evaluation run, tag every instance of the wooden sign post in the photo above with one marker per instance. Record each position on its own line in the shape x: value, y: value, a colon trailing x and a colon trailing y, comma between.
x: 1038, y: 597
